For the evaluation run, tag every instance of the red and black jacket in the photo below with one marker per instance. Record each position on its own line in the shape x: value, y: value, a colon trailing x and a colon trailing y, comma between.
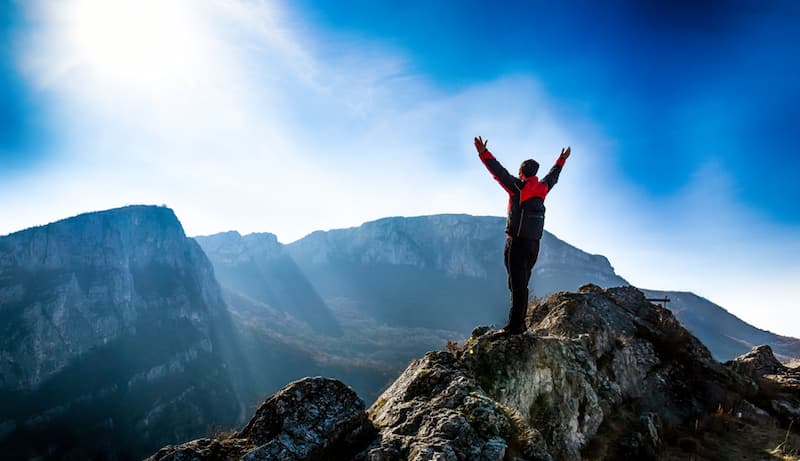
x: 525, y: 198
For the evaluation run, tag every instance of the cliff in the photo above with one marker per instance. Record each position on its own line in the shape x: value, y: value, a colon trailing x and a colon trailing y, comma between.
x: 599, y: 374
x: 114, y: 334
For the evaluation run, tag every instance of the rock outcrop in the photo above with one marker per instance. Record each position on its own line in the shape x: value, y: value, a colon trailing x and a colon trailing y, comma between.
x: 312, y: 419
x: 758, y: 362
x: 599, y: 374
x: 779, y: 385
x: 594, y: 365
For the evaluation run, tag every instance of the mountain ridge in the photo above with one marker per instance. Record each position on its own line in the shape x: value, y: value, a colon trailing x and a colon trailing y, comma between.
x: 405, y: 251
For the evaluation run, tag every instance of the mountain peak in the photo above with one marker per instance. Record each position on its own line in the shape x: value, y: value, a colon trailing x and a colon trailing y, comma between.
x: 135, y: 213
x: 108, y: 307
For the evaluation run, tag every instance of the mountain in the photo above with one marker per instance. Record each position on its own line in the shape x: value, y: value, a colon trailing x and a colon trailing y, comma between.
x: 115, y: 338
x: 441, y: 272
x: 257, y: 268
x: 364, y: 301
x: 453, y: 262
x: 726, y: 335
x: 599, y: 374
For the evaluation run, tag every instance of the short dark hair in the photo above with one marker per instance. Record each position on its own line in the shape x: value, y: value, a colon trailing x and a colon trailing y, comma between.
x: 529, y: 168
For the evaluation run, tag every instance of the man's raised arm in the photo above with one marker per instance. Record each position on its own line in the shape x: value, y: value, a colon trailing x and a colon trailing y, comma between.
x: 500, y: 174
x: 552, y: 176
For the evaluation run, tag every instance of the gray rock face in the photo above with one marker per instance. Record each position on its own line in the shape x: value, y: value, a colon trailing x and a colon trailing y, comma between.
x: 83, y: 282
x: 779, y: 385
x: 313, y: 419
x: 437, y: 410
x: 231, y: 248
x: 97, y: 312
x: 453, y: 262
x: 758, y: 362
x: 595, y: 365
x: 456, y: 245
x: 452, y: 244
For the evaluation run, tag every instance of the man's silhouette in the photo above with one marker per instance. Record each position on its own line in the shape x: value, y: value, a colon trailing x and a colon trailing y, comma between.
x: 524, y: 224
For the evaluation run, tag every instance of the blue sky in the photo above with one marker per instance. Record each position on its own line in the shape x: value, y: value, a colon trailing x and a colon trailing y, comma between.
x: 674, y: 83
x: 294, y: 116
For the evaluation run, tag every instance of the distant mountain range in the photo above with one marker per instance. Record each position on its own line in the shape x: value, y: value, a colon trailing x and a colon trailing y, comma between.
x: 443, y: 272
x: 726, y: 335
x: 119, y: 334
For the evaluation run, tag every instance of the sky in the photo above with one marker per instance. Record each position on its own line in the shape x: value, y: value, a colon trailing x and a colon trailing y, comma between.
x: 294, y: 116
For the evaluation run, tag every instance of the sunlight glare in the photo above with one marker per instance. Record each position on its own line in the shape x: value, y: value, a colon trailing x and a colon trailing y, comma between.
x: 140, y: 43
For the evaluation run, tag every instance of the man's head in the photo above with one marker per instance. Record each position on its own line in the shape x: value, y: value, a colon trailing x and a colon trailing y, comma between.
x: 528, y: 169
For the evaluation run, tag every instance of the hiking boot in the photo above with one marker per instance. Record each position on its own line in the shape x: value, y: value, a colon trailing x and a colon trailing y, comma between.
x: 510, y: 330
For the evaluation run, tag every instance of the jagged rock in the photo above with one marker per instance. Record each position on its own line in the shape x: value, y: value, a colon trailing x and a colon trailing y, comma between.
x: 437, y: 410
x: 595, y: 363
x: 313, y: 419
x: 779, y: 385
x: 758, y: 362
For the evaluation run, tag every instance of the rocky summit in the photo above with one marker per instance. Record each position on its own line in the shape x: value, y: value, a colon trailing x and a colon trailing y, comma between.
x: 599, y: 374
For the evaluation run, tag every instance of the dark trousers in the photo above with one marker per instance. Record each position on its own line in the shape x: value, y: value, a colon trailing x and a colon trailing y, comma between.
x: 520, y: 256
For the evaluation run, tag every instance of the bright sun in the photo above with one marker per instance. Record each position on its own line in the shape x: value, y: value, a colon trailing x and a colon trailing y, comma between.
x: 136, y: 42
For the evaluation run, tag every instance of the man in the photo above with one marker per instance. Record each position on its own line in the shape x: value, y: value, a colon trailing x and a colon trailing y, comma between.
x: 524, y: 224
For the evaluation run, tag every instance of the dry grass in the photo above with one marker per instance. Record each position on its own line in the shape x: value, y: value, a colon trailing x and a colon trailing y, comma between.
x: 722, y: 436
x: 452, y: 346
x: 222, y: 433
x: 790, y: 447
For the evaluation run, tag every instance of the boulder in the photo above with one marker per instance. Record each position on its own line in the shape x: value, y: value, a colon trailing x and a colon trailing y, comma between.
x: 313, y: 419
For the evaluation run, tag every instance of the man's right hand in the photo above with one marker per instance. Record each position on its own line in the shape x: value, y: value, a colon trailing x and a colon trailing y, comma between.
x: 480, y: 144
x: 565, y: 152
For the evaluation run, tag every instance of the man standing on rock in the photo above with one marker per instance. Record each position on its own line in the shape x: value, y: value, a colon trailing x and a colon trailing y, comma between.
x: 524, y: 224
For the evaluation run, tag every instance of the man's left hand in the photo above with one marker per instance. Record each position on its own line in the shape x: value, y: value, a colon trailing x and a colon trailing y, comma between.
x: 480, y: 144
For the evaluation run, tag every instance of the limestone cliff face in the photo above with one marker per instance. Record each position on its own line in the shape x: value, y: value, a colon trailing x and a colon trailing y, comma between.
x: 456, y: 245
x: 599, y: 374
x: 453, y: 263
x: 97, y: 312
x: 451, y: 244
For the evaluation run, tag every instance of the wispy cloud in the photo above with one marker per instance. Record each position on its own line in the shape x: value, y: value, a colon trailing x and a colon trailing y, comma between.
x: 241, y: 116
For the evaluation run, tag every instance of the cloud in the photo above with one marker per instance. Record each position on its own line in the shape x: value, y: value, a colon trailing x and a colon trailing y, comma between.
x: 252, y: 125
x: 240, y: 116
